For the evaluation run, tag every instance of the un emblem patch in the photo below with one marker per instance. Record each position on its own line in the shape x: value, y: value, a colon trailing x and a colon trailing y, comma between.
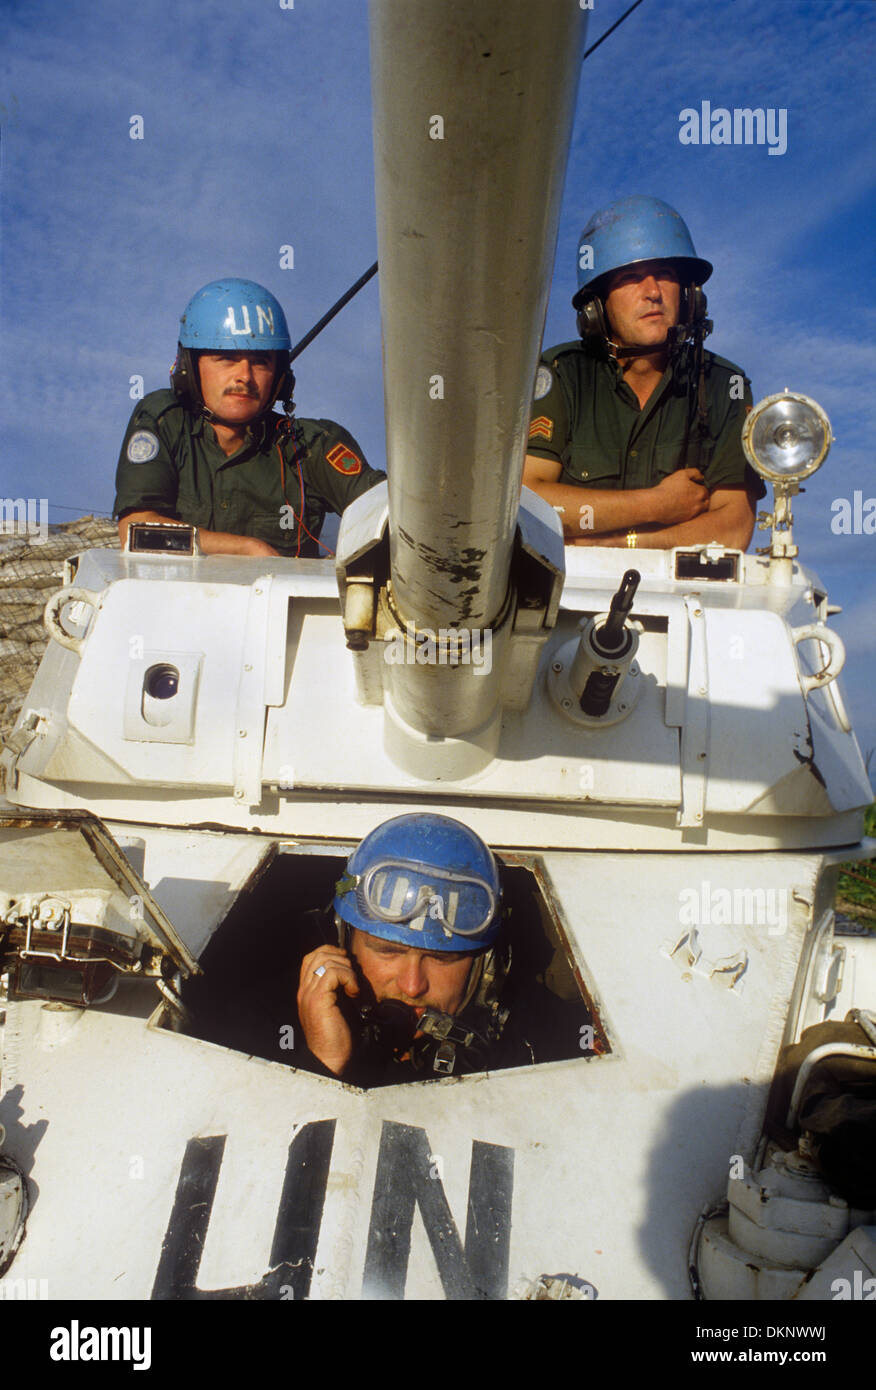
x: 142, y: 446
x: 543, y: 382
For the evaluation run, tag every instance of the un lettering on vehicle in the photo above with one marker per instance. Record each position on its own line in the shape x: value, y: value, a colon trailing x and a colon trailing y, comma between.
x: 473, y: 1265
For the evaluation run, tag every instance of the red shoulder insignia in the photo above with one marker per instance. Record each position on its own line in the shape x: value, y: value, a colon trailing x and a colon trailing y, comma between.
x: 343, y: 460
x: 541, y: 428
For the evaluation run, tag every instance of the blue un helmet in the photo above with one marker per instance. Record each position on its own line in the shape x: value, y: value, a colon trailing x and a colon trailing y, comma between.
x: 626, y: 233
x: 632, y: 230
x: 423, y: 880
x: 238, y: 316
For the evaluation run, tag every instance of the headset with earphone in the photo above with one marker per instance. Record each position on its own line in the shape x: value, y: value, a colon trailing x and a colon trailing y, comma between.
x: 593, y: 325
x: 186, y: 383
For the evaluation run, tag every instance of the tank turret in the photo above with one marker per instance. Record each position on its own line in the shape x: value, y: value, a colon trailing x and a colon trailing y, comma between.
x: 658, y: 758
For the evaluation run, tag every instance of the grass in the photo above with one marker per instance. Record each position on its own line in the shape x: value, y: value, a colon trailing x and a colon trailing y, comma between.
x: 856, y: 889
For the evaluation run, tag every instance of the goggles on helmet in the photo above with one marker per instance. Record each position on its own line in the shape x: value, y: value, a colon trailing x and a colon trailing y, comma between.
x: 398, y: 891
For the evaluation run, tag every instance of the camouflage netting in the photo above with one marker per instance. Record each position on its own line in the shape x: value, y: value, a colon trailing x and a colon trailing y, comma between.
x: 30, y: 569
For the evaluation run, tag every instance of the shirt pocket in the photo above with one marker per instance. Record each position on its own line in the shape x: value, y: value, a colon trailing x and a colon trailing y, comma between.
x: 670, y: 457
x: 593, y: 467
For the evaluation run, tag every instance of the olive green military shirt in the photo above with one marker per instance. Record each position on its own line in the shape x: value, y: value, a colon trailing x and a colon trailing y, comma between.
x: 171, y: 463
x: 589, y: 419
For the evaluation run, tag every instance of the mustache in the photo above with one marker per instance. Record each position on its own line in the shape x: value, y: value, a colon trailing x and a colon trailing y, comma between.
x: 250, y: 391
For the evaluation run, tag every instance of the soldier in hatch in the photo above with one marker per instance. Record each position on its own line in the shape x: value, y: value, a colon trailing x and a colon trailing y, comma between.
x: 635, y: 435
x: 211, y: 451
x: 416, y: 986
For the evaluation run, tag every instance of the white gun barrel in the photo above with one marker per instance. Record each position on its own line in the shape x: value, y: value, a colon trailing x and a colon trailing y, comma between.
x: 473, y: 108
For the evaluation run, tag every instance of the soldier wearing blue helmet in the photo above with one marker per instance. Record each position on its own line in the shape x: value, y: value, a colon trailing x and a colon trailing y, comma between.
x: 418, y: 914
x: 211, y: 451
x: 414, y: 986
x: 635, y: 436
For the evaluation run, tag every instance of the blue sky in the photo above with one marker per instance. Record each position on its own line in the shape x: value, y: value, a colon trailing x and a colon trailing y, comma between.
x: 257, y: 135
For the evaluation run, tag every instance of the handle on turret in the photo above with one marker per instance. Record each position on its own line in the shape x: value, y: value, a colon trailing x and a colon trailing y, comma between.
x: 817, y: 632
x: 56, y: 605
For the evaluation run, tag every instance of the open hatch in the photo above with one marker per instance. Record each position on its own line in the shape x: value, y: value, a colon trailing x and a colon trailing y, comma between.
x: 245, y: 999
x: 75, y: 916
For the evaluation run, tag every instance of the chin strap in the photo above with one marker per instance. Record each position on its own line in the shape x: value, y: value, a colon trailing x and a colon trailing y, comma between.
x: 617, y: 350
x: 673, y: 342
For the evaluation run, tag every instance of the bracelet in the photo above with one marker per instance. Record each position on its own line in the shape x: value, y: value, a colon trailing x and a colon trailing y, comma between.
x: 632, y: 540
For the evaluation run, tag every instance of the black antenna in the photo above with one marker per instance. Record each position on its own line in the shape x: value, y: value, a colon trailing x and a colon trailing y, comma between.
x: 593, y: 47
x: 335, y: 309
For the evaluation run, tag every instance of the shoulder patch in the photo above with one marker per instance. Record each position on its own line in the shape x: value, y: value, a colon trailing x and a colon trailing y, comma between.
x: 343, y: 460
x: 142, y: 446
x: 543, y: 382
x: 541, y: 428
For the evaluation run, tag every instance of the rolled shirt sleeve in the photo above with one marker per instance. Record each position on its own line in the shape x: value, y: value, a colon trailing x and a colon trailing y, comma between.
x: 549, y: 424
x: 337, y: 469
x: 146, y: 477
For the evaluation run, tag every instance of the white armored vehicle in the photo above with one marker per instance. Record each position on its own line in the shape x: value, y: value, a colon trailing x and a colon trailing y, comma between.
x: 661, y: 761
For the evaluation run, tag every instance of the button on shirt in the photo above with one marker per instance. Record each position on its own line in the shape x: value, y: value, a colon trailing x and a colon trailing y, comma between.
x: 589, y: 419
x: 171, y: 463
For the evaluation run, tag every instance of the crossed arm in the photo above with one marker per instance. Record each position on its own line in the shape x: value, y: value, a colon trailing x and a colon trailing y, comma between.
x: 679, y: 510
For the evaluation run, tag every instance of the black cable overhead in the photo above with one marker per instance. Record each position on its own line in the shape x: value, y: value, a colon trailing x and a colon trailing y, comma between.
x: 593, y: 47
x: 363, y: 279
